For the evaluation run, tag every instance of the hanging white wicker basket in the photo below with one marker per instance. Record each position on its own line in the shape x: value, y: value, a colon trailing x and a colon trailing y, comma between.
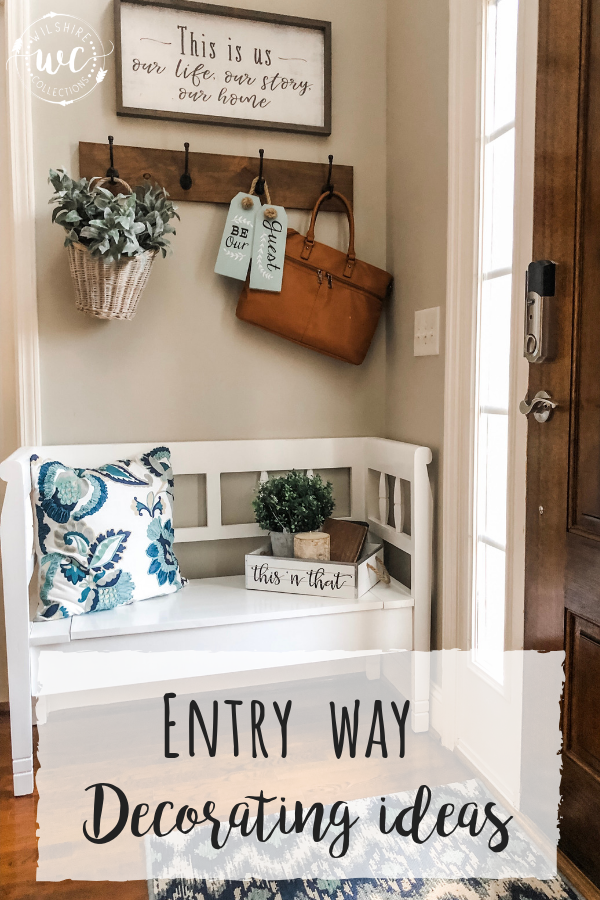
x: 109, y: 289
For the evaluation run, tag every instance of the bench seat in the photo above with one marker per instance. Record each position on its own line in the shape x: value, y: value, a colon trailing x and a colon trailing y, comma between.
x: 66, y: 680
x: 210, y: 602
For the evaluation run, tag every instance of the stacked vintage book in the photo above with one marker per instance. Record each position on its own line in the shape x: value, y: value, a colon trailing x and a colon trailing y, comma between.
x: 346, y: 539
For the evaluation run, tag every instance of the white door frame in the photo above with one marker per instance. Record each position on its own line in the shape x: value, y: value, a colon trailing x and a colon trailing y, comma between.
x: 465, y: 69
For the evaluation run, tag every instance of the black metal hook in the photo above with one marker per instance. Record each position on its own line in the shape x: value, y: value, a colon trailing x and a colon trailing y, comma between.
x: 111, y: 172
x: 329, y: 186
x: 186, y: 179
x: 260, y: 184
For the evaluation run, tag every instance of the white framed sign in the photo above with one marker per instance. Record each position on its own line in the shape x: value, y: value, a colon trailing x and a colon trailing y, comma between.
x: 195, y: 62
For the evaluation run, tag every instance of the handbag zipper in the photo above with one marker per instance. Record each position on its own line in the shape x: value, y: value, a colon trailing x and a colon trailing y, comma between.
x: 357, y: 287
x: 327, y: 276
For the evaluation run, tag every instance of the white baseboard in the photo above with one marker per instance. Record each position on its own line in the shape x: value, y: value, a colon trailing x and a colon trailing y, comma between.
x: 494, y: 785
x: 465, y: 751
x: 472, y: 758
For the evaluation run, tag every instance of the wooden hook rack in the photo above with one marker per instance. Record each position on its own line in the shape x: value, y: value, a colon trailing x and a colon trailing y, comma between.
x: 217, y: 178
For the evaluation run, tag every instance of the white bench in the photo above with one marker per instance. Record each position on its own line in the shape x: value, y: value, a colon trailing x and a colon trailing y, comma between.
x: 219, y: 613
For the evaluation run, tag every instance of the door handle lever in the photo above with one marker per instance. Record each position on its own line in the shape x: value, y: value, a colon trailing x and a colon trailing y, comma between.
x: 541, y: 406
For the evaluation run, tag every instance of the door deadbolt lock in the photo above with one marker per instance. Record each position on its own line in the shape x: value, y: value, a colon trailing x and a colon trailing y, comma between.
x: 541, y: 406
x: 539, y: 338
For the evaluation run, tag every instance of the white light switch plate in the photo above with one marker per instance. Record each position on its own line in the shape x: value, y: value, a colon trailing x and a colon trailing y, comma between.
x: 427, y: 331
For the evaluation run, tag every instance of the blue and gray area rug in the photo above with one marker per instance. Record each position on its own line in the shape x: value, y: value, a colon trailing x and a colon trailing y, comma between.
x: 386, y: 862
x: 371, y: 854
x: 362, y: 889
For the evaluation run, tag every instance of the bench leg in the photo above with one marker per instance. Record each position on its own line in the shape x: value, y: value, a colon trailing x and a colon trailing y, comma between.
x: 23, y: 776
x: 22, y: 747
x: 419, y: 706
x: 21, y: 725
x: 22, y: 741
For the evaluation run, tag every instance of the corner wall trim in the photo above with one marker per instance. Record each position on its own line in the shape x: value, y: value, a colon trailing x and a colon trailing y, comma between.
x: 22, y: 275
x: 463, y: 200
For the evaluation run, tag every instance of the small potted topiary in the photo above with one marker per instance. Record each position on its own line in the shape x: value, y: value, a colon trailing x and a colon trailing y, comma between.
x: 289, y: 504
x: 112, y: 239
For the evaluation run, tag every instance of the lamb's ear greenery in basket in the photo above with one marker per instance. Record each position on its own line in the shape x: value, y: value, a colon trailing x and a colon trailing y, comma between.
x: 294, y: 502
x: 111, y: 227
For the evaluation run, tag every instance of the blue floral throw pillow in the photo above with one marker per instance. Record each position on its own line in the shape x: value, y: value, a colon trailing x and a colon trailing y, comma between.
x: 104, y: 536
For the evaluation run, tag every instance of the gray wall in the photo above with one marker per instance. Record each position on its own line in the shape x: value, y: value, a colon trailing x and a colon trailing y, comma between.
x: 417, y: 122
x: 185, y: 368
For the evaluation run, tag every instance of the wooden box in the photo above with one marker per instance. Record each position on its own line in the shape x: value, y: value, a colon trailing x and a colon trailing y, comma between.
x: 348, y: 581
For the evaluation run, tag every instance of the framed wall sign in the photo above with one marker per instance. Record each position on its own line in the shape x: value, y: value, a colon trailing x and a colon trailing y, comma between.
x: 195, y: 62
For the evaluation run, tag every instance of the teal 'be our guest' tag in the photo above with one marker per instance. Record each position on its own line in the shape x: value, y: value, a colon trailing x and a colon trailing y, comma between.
x: 235, y: 251
x: 268, y: 253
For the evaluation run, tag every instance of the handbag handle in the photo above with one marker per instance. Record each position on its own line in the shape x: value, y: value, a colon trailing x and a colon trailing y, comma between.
x: 309, y: 240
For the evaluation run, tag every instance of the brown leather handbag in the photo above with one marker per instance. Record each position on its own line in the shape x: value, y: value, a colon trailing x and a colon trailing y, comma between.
x: 329, y: 301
